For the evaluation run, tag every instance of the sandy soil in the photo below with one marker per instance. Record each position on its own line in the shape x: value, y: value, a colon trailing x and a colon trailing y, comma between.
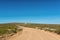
x: 35, y: 34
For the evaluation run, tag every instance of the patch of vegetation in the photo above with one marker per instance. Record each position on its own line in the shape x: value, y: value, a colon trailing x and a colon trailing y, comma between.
x: 57, y: 31
x: 12, y: 28
x: 9, y: 28
x: 47, y: 27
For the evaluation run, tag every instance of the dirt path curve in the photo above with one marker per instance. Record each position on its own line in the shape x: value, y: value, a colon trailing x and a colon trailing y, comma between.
x: 35, y: 34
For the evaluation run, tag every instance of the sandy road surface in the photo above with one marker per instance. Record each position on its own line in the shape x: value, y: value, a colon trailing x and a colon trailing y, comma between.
x: 35, y: 34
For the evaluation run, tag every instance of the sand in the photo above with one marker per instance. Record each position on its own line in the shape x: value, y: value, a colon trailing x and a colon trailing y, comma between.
x: 35, y: 34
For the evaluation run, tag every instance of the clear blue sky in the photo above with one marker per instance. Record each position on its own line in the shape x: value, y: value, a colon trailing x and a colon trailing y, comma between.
x: 32, y: 11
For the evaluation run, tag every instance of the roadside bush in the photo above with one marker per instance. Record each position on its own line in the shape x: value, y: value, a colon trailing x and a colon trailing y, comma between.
x: 57, y: 31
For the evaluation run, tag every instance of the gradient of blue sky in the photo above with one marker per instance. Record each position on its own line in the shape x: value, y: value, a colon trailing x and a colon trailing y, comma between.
x: 35, y: 11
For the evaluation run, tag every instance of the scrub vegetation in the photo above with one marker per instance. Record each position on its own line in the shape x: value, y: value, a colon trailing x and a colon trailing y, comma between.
x: 47, y: 27
x: 8, y: 29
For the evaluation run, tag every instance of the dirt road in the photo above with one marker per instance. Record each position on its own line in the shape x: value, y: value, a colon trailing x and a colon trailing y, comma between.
x: 35, y: 34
